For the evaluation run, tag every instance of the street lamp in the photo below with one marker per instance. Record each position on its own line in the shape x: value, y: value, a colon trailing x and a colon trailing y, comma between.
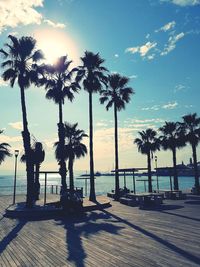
x: 156, y: 163
x: 14, y: 193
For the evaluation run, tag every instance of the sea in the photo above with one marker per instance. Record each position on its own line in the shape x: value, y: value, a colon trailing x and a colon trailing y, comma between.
x: 103, y: 184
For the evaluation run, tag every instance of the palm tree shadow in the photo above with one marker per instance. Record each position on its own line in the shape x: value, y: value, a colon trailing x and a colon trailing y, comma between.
x: 181, y: 216
x: 11, y: 235
x: 85, y: 225
x: 174, y: 248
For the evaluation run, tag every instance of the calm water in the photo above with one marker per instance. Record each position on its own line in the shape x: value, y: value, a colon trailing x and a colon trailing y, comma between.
x: 103, y: 184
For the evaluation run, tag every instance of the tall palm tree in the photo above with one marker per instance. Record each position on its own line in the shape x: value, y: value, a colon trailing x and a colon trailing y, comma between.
x: 38, y: 155
x: 21, y: 57
x: 74, y: 148
x: 117, y: 94
x: 4, y: 150
x: 92, y: 73
x: 172, y: 139
x: 59, y: 85
x: 147, y: 144
x: 191, y: 126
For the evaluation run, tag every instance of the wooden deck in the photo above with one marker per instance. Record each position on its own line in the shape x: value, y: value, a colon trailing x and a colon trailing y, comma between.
x: 117, y: 236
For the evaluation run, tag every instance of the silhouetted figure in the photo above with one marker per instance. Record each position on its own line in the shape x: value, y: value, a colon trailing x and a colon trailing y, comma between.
x: 172, y: 139
x: 147, y: 144
x: 19, y: 59
x: 92, y: 75
x: 117, y: 94
x: 4, y: 150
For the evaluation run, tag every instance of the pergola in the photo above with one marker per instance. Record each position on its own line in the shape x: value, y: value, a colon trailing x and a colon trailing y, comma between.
x: 128, y: 171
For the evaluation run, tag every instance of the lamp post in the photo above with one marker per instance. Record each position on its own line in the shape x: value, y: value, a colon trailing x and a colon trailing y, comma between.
x: 156, y: 163
x: 14, y: 193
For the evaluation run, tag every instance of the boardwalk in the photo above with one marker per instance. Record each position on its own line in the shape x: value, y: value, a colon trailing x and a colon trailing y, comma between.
x: 117, y: 236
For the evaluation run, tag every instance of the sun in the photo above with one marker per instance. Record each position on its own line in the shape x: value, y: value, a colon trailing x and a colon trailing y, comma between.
x: 55, y: 44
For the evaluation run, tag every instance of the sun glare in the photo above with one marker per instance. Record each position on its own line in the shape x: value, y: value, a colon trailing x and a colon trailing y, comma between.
x: 55, y: 44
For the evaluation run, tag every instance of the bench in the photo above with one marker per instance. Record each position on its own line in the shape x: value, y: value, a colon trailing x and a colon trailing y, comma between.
x: 128, y: 201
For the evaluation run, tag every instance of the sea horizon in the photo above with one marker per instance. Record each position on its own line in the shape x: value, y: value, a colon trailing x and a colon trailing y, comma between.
x: 103, y: 184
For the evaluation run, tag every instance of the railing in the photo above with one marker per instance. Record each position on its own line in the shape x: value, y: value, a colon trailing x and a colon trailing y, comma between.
x: 55, y: 189
x: 21, y: 189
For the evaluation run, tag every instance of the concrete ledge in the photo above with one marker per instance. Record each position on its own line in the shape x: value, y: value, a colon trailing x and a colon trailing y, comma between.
x: 50, y: 210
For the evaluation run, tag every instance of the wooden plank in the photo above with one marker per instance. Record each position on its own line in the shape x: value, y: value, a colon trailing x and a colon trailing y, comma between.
x: 119, y: 236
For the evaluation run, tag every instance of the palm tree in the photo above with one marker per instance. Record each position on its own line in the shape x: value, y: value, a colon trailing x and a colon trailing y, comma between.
x: 191, y: 126
x: 59, y: 85
x: 73, y: 148
x: 117, y: 94
x: 172, y: 139
x: 20, y: 58
x: 92, y: 74
x: 4, y: 150
x: 38, y: 155
x: 148, y: 144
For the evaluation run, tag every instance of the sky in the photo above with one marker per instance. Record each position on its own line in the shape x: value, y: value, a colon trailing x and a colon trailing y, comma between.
x: 156, y: 43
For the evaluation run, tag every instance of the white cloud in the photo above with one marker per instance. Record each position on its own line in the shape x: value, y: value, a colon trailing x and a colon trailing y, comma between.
x: 16, y: 125
x: 134, y: 76
x: 155, y: 107
x: 143, y: 50
x: 183, y: 2
x: 179, y: 87
x: 171, y: 45
x: 13, y: 33
x: 157, y: 120
x: 54, y: 24
x: 150, y: 57
x: 10, y: 139
x: 20, y: 12
x: 49, y: 142
x: 170, y: 105
x: 104, y: 141
x: 116, y: 55
x: 101, y: 124
x: 188, y: 106
x: 141, y: 124
x: 3, y: 83
x: 167, y: 27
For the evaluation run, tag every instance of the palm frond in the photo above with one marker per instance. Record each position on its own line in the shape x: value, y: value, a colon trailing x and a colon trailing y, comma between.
x: 37, y: 55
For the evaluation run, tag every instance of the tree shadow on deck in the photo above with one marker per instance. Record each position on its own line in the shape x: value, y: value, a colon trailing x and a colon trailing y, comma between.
x: 82, y: 227
x: 163, y: 207
x: 181, y: 216
x: 11, y: 235
x: 193, y: 202
x: 162, y: 241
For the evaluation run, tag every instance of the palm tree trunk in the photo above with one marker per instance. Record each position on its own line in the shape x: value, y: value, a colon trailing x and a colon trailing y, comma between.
x: 116, y: 155
x: 149, y: 172
x: 196, y: 175
x: 71, y: 174
x: 27, y: 149
x: 62, y: 163
x: 92, y: 196
x: 37, y: 182
x: 176, y: 187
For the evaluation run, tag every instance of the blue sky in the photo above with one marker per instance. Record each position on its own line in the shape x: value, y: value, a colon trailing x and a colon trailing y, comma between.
x: 154, y: 42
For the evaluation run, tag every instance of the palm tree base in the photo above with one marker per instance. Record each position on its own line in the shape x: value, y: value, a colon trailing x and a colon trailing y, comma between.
x: 71, y: 201
x: 195, y: 190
